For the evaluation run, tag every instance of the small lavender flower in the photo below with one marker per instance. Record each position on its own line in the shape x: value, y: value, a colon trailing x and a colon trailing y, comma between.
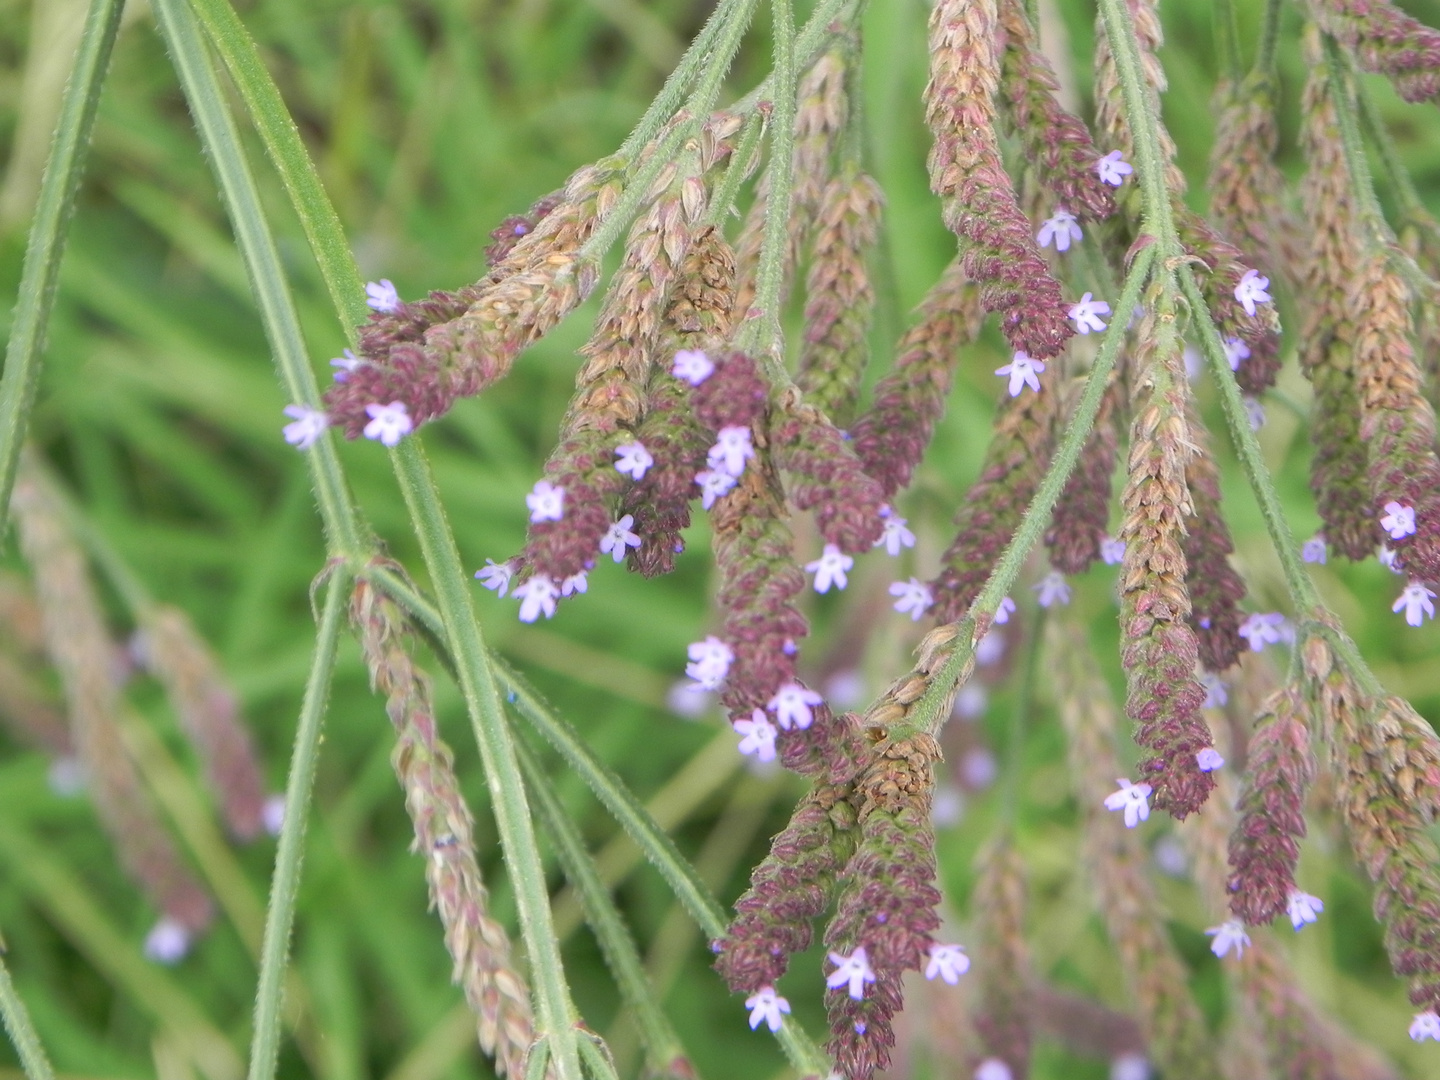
x: 1399, y: 520
x: 272, y: 815
x: 765, y: 1006
x: 1130, y: 1066
x: 731, y: 451
x: 852, y: 972
x: 692, y: 366
x: 1131, y: 798
x: 993, y: 1069
x: 1113, y: 168
x: 793, y: 706
x: 830, y: 569
x: 1086, y: 314
x: 713, y: 485
x: 618, y: 541
x: 633, y: 460
x: 1061, y: 228
x: 1209, y: 759
x: 947, y: 962
x: 388, y: 423
x: 537, y: 597
x: 344, y: 364
x: 1216, y: 693
x: 1229, y: 934
x: 167, y: 943
x: 1004, y: 610
x: 1255, y: 413
x: 1313, y: 550
x: 1236, y: 351
x: 710, y: 662
x: 1418, y: 602
x: 1053, y: 589
x: 1112, y: 550
x: 990, y: 648
x: 913, y: 598
x: 382, y: 296
x: 896, y: 536
x: 575, y: 584
x: 1426, y: 1025
x: 496, y: 576
x: 1390, y: 559
x: 1261, y: 629
x: 546, y: 501
x: 309, y: 425
x: 1303, y: 908
x: 1251, y: 291
x: 1023, y: 372
x: 757, y: 736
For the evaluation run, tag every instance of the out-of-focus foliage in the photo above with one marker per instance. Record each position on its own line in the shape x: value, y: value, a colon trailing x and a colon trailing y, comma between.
x: 431, y: 120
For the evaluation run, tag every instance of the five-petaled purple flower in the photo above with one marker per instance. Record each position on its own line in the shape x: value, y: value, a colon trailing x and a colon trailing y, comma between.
x: 1131, y: 798
x: 1228, y: 935
x: 692, y: 366
x: 757, y: 736
x: 1236, y: 351
x: 1313, y: 550
x: 765, y: 1007
x: 1086, y: 315
x: 1399, y: 520
x: 382, y: 296
x: 1023, y: 372
x: 709, y: 662
x: 1053, y: 589
x: 1060, y: 228
x: 309, y: 425
x: 852, y: 972
x: 793, y: 706
x: 345, y: 364
x: 947, y: 962
x: 496, y: 576
x: 732, y: 450
x: 1251, y: 291
x: 1418, y: 602
x: 546, y: 501
x: 1113, y: 168
x: 1426, y: 1025
x: 1262, y: 628
x: 1209, y: 759
x: 633, y: 460
x: 618, y: 539
x: 1303, y: 908
x: 537, y: 597
x: 830, y: 569
x: 713, y: 484
x: 895, y: 535
x: 913, y: 598
x: 388, y: 423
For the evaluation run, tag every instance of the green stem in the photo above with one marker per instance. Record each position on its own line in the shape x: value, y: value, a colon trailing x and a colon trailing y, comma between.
x: 1020, y: 718
x: 297, y: 172
x: 662, y: 1045
x: 1411, y: 205
x: 285, y: 885
x: 736, y: 171
x: 262, y: 260
x: 48, y: 232
x: 1227, y: 40
x: 930, y: 710
x: 764, y: 336
x: 23, y: 1035
x: 1269, y: 38
x: 554, y: 1010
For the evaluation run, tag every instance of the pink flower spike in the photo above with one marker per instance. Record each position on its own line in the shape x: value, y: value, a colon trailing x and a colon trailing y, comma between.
x: 757, y: 736
x: 309, y: 425
x: 1251, y: 291
x: 1131, y: 798
x: 1228, y: 935
x: 382, y: 296
x: 765, y: 1007
x: 388, y: 423
x: 1060, y: 229
x: 1399, y: 520
x: 546, y: 501
x: 851, y: 971
x: 948, y: 962
x: 692, y: 366
x: 793, y: 706
x: 1023, y: 372
x: 1113, y: 168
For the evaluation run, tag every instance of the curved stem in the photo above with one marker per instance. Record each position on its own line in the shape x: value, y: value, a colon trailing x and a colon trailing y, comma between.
x: 285, y: 885
x: 21, y: 1030
x: 46, y: 246
x: 1269, y: 38
x: 1227, y: 40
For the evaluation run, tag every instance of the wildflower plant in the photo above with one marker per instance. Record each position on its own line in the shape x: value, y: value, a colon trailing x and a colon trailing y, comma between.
x: 732, y: 405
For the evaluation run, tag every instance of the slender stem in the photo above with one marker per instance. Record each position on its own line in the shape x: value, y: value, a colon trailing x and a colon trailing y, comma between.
x: 285, y: 885
x: 597, y: 1061
x: 662, y: 1045
x: 1227, y: 40
x: 764, y: 335
x: 929, y: 711
x: 736, y: 170
x: 46, y: 246
x: 1269, y: 38
x: 262, y: 260
x: 1411, y: 205
x: 21, y: 1030
x: 297, y: 172
x: 554, y: 1009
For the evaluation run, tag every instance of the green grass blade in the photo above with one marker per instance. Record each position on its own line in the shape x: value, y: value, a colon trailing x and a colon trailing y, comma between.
x: 22, y: 1032
x: 282, y: 142
x: 665, y: 1053
x: 262, y: 261
x: 554, y: 1010
x: 47, y: 236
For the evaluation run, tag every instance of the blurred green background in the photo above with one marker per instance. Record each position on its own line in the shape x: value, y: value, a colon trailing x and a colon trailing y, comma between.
x: 430, y: 121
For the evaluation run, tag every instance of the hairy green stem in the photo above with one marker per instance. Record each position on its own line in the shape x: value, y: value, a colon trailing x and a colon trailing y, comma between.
x: 285, y: 885
x: 46, y: 246
x: 1269, y: 38
x: 736, y: 171
x: 555, y: 1012
x: 662, y: 1045
x: 21, y: 1030
x: 1227, y: 40
x: 929, y: 711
